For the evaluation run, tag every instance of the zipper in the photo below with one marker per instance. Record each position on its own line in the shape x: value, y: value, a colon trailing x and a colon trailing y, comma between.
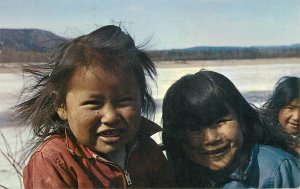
x: 127, y: 177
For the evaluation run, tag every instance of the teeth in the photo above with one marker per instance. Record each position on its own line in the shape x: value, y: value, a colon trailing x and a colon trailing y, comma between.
x: 110, y: 133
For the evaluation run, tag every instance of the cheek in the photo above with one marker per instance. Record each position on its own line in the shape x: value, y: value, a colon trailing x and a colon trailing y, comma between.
x: 283, y: 116
x: 82, y: 123
x: 195, y: 141
x: 239, y: 138
x: 133, y: 118
x: 235, y: 135
x: 131, y: 113
x: 84, y: 117
x: 192, y: 152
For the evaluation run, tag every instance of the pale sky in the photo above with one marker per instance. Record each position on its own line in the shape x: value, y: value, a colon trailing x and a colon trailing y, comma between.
x: 169, y: 23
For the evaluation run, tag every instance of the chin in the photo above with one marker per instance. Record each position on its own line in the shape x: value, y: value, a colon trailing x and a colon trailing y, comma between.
x: 217, y: 168
x: 107, y: 149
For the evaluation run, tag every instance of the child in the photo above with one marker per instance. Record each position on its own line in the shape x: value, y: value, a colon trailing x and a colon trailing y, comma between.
x: 283, y: 107
x: 214, y: 138
x: 85, y: 110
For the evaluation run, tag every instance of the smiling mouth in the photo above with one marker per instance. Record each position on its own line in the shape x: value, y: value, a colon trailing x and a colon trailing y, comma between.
x: 110, y: 136
x: 215, y: 152
x: 111, y: 133
x: 294, y: 124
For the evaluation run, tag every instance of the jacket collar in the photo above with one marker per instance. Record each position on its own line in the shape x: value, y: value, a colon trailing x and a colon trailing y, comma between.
x: 147, y: 128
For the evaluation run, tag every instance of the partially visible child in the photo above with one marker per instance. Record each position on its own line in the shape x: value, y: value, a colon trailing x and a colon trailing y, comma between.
x: 283, y: 107
x: 86, y: 108
x: 215, y: 138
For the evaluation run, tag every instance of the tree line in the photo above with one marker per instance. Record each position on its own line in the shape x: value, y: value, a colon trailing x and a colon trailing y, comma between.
x: 218, y: 53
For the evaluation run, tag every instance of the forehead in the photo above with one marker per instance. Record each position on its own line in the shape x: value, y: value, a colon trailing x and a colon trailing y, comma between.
x: 96, y: 76
x: 97, y: 71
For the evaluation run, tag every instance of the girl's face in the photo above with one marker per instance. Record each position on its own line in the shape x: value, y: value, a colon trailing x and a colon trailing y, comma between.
x: 216, y: 146
x: 102, y: 108
x: 289, y: 117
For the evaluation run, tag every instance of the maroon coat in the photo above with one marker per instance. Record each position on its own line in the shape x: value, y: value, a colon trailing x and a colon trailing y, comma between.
x: 62, y: 162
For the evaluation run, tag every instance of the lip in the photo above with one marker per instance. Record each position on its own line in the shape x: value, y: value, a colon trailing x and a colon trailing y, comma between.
x: 294, y: 125
x: 110, y: 135
x: 217, y: 152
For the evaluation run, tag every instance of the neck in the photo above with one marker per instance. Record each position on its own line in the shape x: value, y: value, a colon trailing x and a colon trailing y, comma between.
x: 119, y: 156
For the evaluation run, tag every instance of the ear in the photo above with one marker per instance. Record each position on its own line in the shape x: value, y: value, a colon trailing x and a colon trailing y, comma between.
x: 62, y: 113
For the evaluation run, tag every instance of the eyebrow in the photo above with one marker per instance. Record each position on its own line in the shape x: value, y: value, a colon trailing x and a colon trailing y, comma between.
x: 293, y: 105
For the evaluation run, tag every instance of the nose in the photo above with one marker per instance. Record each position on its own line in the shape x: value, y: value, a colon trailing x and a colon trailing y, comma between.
x: 108, y: 114
x: 211, y: 136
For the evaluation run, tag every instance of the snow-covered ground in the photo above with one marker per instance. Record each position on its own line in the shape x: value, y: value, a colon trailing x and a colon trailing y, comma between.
x: 254, y: 81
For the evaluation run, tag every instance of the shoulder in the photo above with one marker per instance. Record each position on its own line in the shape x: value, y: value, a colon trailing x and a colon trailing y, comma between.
x: 272, y: 157
x: 54, y: 143
x: 52, y: 150
x: 274, y: 153
x: 280, y: 167
x: 275, y: 161
x: 48, y: 166
x: 273, y: 167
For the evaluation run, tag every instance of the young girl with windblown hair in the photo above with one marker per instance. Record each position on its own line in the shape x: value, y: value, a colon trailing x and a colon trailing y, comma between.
x: 283, y: 107
x: 86, y: 112
x: 215, y: 138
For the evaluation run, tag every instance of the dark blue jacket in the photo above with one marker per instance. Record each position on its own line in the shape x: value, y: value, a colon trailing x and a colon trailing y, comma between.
x: 269, y: 167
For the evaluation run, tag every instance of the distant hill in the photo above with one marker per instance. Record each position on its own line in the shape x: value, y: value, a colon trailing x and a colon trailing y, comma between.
x: 32, y: 45
x: 28, y: 39
x: 27, y: 45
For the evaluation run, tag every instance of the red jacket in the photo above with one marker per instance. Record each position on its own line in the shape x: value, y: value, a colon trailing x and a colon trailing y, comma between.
x: 62, y: 162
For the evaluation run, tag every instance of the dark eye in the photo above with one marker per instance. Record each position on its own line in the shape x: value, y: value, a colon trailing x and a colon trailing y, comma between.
x: 124, y: 101
x: 289, y: 107
x: 93, y: 104
x: 222, y: 121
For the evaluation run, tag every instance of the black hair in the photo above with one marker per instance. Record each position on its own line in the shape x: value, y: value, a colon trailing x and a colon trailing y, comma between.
x: 198, y: 100
x: 286, y: 90
x: 108, y: 47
